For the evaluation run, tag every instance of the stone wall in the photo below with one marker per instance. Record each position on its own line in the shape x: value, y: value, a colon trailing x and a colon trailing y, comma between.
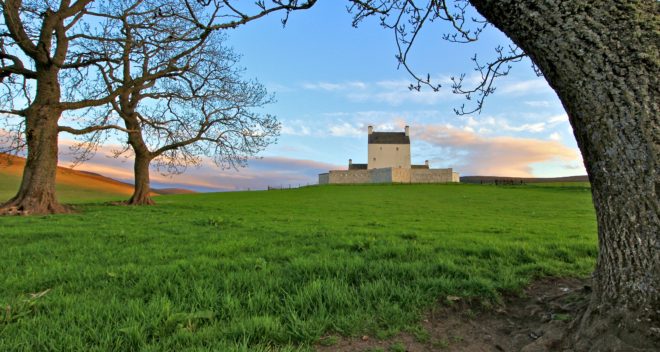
x: 432, y: 176
x: 389, y: 175
x: 349, y: 176
x: 400, y: 175
x: 383, y: 175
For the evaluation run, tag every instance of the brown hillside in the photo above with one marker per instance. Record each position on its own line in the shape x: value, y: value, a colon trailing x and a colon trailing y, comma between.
x: 13, y: 165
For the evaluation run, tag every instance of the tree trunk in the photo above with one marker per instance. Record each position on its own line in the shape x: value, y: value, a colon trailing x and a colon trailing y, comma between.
x: 601, y: 57
x: 36, y: 194
x: 142, y: 191
x: 141, y: 194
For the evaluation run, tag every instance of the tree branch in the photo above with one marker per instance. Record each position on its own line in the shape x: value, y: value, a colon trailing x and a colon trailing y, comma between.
x: 91, y: 129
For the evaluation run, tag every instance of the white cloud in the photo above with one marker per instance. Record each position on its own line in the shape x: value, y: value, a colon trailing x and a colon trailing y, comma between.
x: 295, y: 128
x: 558, y: 118
x: 329, y: 86
x: 555, y: 136
x: 396, y: 97
x: 525, y: 87
x: 346, y: 129
x: 528, y: 127
x: 390, y: 92
x: 538, y: 103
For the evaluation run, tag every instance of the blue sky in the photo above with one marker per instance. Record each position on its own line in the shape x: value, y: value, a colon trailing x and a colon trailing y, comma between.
x: 331, y: 81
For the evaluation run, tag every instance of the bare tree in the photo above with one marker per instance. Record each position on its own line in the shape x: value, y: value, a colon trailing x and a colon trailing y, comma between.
x: 601, y: 57
x: 41, y: 48
x: 190, y: 100
x: 35, y: 44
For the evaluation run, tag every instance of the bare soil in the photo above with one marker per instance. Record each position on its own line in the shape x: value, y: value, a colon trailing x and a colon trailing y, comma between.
x: 536, y: 321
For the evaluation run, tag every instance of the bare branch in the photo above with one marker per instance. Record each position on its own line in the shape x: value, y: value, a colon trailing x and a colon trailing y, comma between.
x: 406, y: 19
x: 91, y: 129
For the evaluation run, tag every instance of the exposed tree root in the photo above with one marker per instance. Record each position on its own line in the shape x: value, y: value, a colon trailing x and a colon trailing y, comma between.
x: 140, y: 200
x: 603, y: 328
x: 31, y: 205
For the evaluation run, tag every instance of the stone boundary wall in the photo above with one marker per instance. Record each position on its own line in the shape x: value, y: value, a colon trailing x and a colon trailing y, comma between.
x: 349, y: 176
x: 400, y: 175
x: 389, y: 175
x: 381, y: 175
x: 432, y: 176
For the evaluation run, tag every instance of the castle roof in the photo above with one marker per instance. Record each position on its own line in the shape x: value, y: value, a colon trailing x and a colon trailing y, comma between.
x: 389, y: 138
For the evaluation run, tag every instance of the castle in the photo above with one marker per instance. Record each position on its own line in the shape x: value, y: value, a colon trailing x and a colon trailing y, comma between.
x: 388, y: 162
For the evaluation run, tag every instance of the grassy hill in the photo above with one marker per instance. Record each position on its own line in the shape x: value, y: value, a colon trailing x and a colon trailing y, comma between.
x: 278, y: 270
x: 73, y: 186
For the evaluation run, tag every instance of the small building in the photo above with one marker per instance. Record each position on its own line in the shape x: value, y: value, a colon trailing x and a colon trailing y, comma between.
x: 388, y: 161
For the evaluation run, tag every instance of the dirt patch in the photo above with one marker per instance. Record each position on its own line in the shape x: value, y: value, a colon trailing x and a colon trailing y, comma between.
x: 535, y: 321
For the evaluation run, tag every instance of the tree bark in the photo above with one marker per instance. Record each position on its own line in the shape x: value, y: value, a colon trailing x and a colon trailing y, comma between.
x: 601, y: 57
x: 142, y: 191
x: 36, y: 194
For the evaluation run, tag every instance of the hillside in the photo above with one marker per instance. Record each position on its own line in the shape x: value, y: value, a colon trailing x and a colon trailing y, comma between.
x: 72, y: 185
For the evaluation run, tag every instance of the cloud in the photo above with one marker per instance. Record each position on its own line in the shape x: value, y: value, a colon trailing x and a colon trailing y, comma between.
x: 295, y: 128
x: 346, y: 129
x: 558, y: 119
x: 488, y: 124
x: 500, y: 156
x: 330, y: 86
x: 528, y: 127
x: 396, y: 97
x: 207, y: 177
x: 531, y: 86
x: 555, y: 136
x: 538, y: 103
x: 391, y: 92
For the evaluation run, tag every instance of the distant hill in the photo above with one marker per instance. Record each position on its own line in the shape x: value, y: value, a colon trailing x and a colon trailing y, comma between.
x: 71, y: 184
x: 492, y: 179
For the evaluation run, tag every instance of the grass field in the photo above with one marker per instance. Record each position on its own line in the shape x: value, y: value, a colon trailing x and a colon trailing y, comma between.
x: 278, y: 270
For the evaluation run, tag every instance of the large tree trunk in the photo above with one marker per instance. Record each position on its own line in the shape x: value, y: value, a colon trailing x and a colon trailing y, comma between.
x: 36, y: 194
x: 142, y: 192
x: 601, y: 57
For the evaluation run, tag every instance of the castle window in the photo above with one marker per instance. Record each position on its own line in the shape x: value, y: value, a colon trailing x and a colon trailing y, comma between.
x: 374, y: 159
x: 397, y: 149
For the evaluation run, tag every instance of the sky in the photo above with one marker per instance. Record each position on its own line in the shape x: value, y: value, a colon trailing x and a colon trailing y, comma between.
x: 331, y: 80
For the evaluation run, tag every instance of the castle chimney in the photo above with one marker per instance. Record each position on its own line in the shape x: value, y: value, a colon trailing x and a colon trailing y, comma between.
x: 408, y: 131
x: 426, y: 162
x: 370, y: 130
x: 350, y: 162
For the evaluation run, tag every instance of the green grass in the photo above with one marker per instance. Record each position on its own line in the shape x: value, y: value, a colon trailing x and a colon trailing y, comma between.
x: 279, y: 270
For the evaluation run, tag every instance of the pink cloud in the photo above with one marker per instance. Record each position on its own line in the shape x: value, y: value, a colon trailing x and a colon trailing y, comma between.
x: 498, y: 156
x: 259, y: 174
